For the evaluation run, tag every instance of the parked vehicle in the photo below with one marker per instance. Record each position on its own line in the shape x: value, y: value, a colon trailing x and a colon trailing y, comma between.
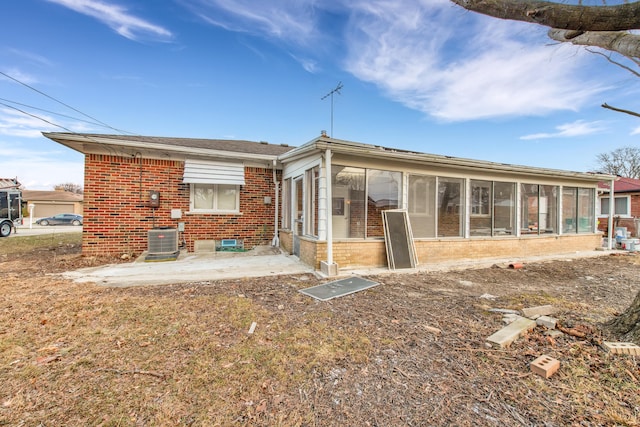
x: 10, y: 210
x: 61, y: 219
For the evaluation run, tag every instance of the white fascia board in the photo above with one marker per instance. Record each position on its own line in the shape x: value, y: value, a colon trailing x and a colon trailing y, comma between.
x: 359, y: 149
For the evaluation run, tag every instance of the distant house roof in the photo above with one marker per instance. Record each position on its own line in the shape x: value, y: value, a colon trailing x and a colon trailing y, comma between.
x: 9, y: 183
x: 172, y: 147
x: 623, y: 185
x: 52, y: 196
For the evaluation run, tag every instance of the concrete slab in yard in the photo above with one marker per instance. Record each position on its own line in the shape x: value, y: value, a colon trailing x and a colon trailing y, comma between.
x: 542, y: 310
x: 505, y: 336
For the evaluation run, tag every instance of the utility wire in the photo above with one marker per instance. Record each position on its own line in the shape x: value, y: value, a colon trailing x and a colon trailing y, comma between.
x: 62, y: 103
x: 36, y: 117
x: 50, y: 112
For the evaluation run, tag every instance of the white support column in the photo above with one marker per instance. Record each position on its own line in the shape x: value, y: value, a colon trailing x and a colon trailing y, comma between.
x: 612, y: 207
x: 327, y: 163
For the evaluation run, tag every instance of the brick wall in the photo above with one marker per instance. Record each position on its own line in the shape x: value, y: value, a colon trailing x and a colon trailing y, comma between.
x: 371, y: 253
x: 118, y: 216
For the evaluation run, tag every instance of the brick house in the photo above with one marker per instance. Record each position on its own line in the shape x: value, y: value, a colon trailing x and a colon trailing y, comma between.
x: 626, y: 205
x: 323, y: 201
x: 212, y: 189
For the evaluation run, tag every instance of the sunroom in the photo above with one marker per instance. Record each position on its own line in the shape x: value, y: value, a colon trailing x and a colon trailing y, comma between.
x: 334, y: 192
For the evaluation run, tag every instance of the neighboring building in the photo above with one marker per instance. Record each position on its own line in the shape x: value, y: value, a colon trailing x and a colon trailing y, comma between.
x: 626, y: 205
x: 49, y: 203
x: 323, y: 201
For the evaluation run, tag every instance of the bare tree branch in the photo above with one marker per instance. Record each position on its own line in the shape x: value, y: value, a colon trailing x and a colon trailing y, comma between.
x: 608, y: 58
x: 620, y: 110
x: 559, y: 15
x: 616, y: 41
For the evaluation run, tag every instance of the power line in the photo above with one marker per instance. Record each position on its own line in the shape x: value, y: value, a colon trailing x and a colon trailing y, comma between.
x: 50, y: 112
x: 60, y: 102
x: 36, y: 117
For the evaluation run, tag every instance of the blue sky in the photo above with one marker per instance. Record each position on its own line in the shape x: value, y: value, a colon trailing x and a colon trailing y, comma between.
x: 421, y: 75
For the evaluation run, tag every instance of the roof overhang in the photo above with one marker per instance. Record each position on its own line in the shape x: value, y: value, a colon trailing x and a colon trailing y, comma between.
x: 378, y: 152
x: 110, y: 145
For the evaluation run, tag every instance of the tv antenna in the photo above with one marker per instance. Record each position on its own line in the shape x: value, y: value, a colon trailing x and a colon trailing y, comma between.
x: 330, y: 94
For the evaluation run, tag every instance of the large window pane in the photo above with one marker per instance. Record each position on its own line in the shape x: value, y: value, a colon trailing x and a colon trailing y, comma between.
x: 569, y: 210
x: 529, y: 206
x: 383, y: 193
x: 227, y: 196
x: 422, y: 205
x: 586, y: 217
x: 504, y: 208
x: 450, y: 208
x: 348, y: 207
x: 481, y: 199
x: 203, y: 196
x: 548, y: 209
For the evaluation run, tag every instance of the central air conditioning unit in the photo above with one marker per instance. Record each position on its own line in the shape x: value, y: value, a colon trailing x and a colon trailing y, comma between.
x: 162, y: 244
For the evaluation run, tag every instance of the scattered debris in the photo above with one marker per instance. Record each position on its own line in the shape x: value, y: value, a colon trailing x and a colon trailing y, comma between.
x: 432, y: 329
x: 252, y: 328
x: 505, y: 336
x: 503, y: 311
x: 535, y: 312
x: 545, y: 366
x: 516, y: 265
x: 547, y: 321
x: 488, y: 296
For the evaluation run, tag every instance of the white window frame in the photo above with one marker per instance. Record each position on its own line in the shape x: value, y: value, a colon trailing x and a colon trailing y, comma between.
x: 616, y: 197
x: 193, y: 209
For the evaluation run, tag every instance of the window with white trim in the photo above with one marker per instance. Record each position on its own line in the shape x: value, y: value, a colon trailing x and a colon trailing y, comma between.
x: 218, y: 198
x: 622, y: 206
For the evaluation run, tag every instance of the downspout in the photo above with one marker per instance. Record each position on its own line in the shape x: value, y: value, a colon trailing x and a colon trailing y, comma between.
x: 327, y: 160
x: 611, y: 214
x: 276, y: 239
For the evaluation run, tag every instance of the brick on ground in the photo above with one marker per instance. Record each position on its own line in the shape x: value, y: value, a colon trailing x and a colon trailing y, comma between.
x: 545, y: 366
x: 622, y: 348
x: 505, y: 336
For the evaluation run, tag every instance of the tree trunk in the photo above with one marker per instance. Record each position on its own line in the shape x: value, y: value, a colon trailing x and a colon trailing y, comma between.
x: 627, y: 325
x: 553, y: 14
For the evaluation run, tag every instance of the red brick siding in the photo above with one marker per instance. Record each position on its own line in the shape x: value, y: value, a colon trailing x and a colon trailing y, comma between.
x: 118, y: 216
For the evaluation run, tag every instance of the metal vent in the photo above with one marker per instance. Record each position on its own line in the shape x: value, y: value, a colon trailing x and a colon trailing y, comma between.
x: 162, y: 241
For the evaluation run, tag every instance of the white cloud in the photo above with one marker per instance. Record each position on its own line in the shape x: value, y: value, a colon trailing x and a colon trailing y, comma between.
x: 18, y: 75
x: 569, y: 130
x: 15, y: 123
x: 39, y: 169
x: 456, y: 66
x: 635, y: 131
x: 117, y: 18
x: 18, y: 124
x: 290, y: 20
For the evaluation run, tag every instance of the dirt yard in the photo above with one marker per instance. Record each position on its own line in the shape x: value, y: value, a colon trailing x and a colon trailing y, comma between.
x: 410, y: 352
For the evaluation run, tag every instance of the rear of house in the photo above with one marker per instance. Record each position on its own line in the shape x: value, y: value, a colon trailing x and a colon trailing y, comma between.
x: 323, y: 201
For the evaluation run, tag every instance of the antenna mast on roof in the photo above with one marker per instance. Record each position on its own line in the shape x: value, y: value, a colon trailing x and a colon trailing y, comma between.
x: 330, y: 94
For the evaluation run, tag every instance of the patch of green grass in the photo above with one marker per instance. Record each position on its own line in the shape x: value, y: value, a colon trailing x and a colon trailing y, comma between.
x: 22, y: 244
